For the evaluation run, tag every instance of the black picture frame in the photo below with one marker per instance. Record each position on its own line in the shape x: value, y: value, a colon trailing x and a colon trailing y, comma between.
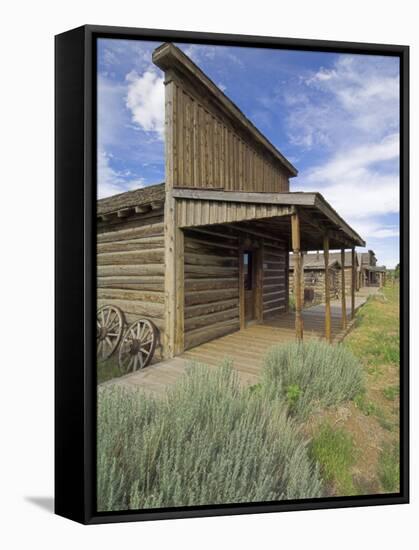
x: 75, y: 249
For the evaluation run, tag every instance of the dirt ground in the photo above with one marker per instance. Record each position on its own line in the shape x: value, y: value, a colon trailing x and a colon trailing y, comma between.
x: 372, y: 421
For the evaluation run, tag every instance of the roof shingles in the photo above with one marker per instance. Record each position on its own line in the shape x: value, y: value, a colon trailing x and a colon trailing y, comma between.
x: 130, y: 199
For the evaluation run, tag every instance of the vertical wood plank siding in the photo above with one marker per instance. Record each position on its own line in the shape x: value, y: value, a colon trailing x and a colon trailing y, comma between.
x: 130, y: 266
x: 211, y: 154
x: 205, y: 212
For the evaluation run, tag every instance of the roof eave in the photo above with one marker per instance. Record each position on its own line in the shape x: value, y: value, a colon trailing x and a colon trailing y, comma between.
x: 322, y: 204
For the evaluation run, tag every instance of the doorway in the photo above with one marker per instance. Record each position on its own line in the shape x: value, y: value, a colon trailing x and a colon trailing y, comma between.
x: 248, y: 283
x: 250, y: 286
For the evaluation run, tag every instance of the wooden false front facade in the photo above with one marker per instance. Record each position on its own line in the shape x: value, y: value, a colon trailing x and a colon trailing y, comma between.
x: 207, y: 252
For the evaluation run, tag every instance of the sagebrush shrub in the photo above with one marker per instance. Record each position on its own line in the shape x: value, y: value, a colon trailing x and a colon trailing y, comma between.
x: 311, y: 373
x: 207, y: 442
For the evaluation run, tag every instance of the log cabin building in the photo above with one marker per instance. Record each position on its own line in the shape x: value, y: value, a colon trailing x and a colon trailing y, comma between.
x: 371, y: 274
x: 313, y: 278
x: 314, y: 275
x: 206, y: 252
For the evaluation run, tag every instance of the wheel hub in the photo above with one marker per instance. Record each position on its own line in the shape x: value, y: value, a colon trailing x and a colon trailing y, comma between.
x: 135, y: 347
x: 103, y: 331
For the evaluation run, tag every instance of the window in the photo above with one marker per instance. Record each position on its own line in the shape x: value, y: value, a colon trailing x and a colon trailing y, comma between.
x: 248, y: 270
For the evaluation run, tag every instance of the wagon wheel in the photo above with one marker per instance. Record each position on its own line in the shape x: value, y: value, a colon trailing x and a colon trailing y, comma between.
x: 110, y: 326
x: 138, y: 345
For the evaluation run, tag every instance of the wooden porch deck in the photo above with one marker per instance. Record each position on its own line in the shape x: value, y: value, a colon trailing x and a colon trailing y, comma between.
x: 245, y: 348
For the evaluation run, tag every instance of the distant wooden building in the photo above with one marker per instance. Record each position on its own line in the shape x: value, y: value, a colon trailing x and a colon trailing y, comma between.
x: 371, y: 274
x: 314, y: 275
x: 206, y: 253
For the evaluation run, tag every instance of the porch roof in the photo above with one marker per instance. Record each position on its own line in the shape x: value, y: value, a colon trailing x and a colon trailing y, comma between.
x: 199, y: 208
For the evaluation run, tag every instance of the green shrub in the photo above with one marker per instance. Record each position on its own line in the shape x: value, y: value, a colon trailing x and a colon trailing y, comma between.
x: 389, y: 468
x: 365, y: 406
x: 311, y: 373
x: 391, y: 392
x: 207, y: 442
x: 334, y: 450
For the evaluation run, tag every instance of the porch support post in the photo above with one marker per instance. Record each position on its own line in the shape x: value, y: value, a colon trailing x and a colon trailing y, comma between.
x: 342, y: 262
x: 173, y: 238
x: 296, y: 249
x: 353, y: 286
x: 327, y: 318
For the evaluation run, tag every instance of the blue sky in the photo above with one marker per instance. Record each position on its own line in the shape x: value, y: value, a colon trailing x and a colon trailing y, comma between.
x: 334, y: 116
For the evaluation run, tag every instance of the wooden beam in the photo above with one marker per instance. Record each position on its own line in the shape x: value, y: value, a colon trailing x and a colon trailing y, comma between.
x: 141, y: 209
x: 156, y: 205
x: 343, y: 289
x: 174, y: 242
x: 319, y: 225
x: 327, y: 317
x: 296, y: 249
x: 107, y: 217
x: 313, y: 201
x: 124, y: 212
x: 353, y: 285
x: 284, y: 199
x: 246, y: 229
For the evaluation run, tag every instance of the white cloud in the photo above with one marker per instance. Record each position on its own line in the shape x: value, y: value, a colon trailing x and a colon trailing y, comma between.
x: 145, y: 100
x: 358, y: 188
x: 354, y: 181
x: 353, y: 162
x: 111, y: 112
x: 111, y: 182
x: 349, y: 113
x: 358, y: 96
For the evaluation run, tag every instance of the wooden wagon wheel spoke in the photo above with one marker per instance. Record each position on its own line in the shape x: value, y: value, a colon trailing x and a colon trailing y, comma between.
x: 138, y: 345
x: 110, y: 326
x: 147, y: 342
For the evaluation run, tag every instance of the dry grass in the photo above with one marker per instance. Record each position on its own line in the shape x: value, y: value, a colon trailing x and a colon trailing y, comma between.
x: 371, y: 420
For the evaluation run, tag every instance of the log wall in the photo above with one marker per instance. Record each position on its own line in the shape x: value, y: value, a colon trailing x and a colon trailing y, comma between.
x: 275, y: 275
x: 211, y: 152
x: 130, y: 266
x: 211, y: 275
x: 314, y: 280
x: 348, y: 280
x: 211, y: 279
